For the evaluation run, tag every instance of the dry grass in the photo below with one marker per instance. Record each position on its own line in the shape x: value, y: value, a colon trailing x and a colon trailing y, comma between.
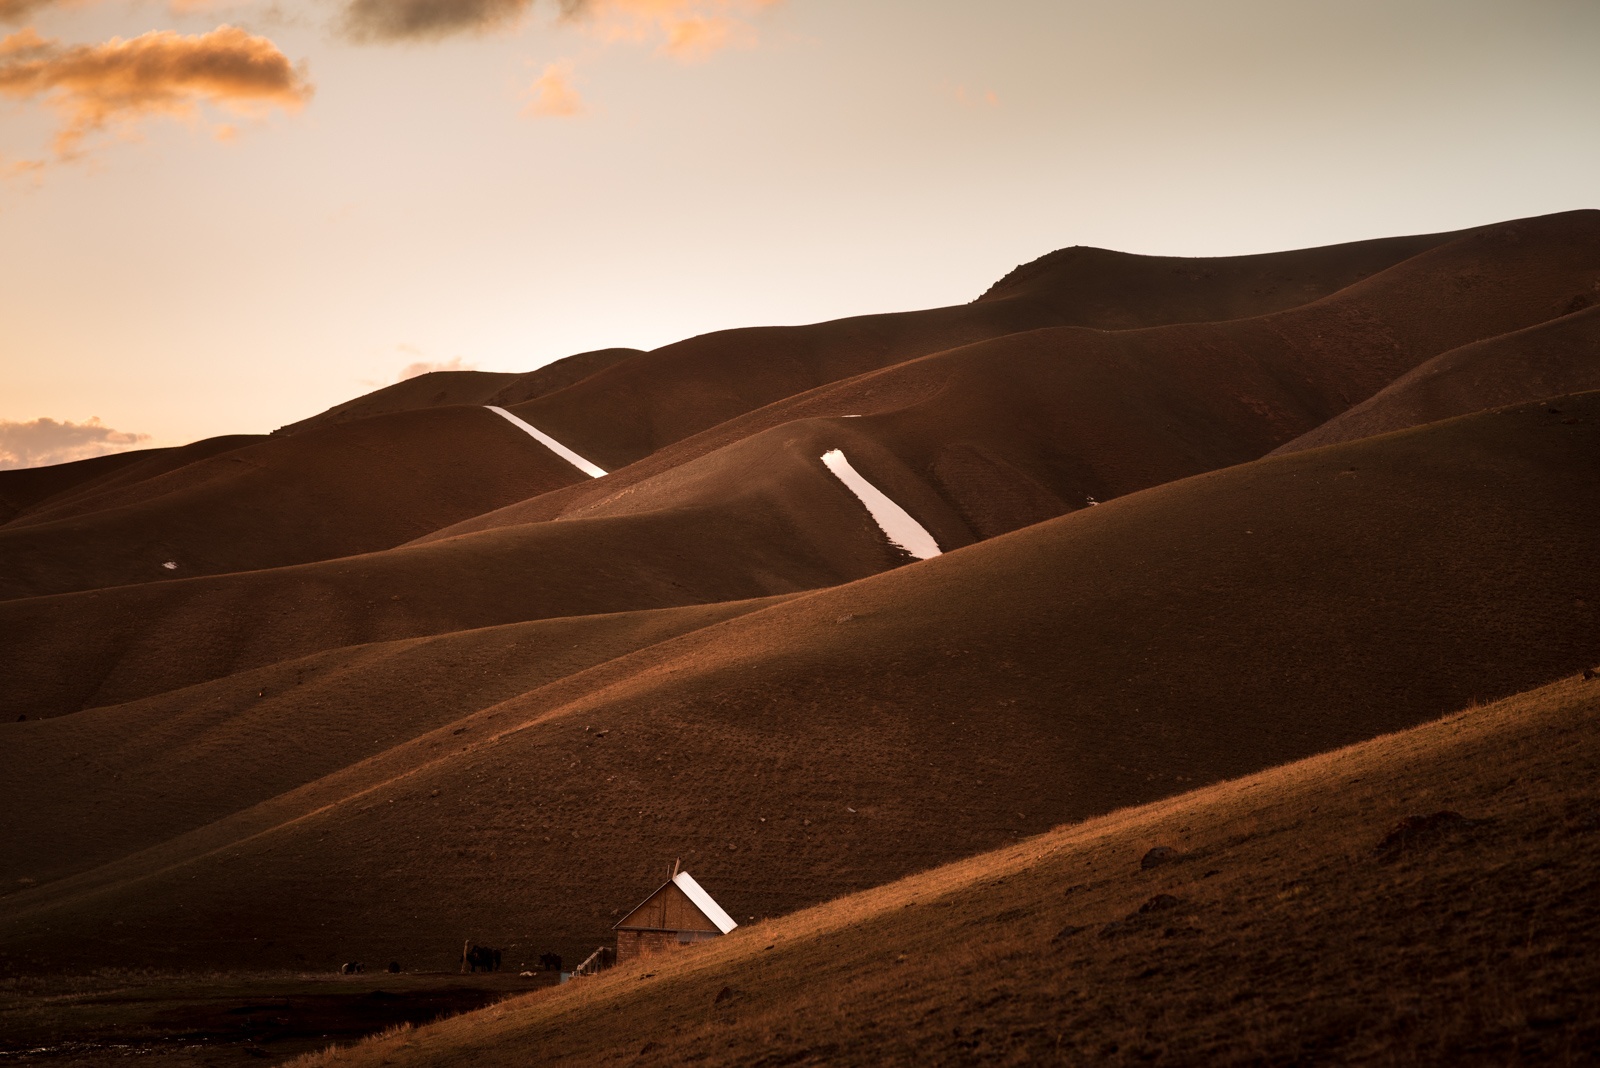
x: 1291, y: 940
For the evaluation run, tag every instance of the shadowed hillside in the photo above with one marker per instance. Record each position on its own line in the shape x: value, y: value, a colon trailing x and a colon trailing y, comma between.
x: 443, y: 388
x: 1017, y: 429
x: 109, y: 775
x: 1173, y: 637
x: 1547, y: 360
x: 347, y: 489
x: 1124, y: 531
x: 1294, y: 925
x: 23, y: 489
x: 629, y: 410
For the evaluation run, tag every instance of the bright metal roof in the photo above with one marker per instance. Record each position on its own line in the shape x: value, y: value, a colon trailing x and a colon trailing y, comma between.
x: 704, y: 902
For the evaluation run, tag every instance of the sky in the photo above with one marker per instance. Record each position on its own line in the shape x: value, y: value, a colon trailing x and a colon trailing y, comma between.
x: 221, y: 216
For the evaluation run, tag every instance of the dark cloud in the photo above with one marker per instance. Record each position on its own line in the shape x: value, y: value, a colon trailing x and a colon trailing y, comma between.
x: 94, y: 86
x: 690, y: 25
x: 17, y: 10
x: 402, y: 20
x: 45, y: 441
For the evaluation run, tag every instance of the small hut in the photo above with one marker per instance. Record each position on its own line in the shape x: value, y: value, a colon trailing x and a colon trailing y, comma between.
x: 679, y: 913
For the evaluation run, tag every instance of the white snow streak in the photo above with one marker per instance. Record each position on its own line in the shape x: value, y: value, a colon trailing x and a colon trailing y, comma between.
x: 550, y: 443
x: 895, y: 521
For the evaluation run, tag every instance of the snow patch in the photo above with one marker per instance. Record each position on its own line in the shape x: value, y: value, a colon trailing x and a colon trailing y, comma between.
x: 592, y: 470
x: 895, y: 522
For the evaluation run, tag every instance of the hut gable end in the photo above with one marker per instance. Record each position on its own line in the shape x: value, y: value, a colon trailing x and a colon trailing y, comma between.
x: 680, y: 904
x: 668, y: 909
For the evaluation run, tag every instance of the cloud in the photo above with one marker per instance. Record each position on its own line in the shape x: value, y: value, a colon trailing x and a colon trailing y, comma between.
x: 688, y: 30
x: 45, y: 441
x: 987, y: 98
x: 14, y: 11
x: 18, y: 10
x: 421, y: 20
x: 423, y: 367
x: 159, y: 73
x: 552, y: 96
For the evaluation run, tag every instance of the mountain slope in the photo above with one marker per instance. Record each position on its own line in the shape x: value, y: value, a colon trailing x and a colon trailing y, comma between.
x: 627, y: 411
x: 1173, y: 637
x: 125, y: 777
x: 1545, y: 360
x: 1283, y: 933
x: 443, y: 388
x: 345, y: 489
x: 1018, y: 428
x: 24, y: 490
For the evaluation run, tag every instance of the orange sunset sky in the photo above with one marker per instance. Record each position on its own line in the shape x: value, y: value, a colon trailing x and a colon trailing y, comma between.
x: 219, y: 216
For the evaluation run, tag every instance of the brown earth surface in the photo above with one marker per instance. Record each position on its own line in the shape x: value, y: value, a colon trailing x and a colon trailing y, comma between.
x: 414, y: 678
x: 1292, y: 924
x: 1016, y: 429
x: 1173, y: 637
x: 56, y: 484
x: 1546, y: 360
x: 347, y: 489
x: 442, y: 388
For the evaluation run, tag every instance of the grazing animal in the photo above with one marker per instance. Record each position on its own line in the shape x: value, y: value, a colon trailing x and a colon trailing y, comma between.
x: 352, y: 968
x: 550, y: 962
x: 1589, y: 673
x: 394, y: 967
x: 476, y: 957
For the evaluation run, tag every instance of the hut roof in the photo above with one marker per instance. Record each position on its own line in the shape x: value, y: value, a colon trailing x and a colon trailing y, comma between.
x: 702, y: 901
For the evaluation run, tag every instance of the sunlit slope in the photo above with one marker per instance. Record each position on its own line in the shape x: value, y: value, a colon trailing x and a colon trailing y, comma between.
x: 1016, y: 429
x: 441, y: 388
x: 1200, y: 630
x: 345, y: 489
x: 787, y: 528
x: 627, y: 411
x: 1288, y: 935
x: 118, y: 779
x: 1547, y: 360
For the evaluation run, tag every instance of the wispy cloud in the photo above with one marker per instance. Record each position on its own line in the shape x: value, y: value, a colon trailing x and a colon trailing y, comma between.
x: 972, y: 98
x: 118, y: 83
x: 423, y: 367
x: 45, y: 441
x: 552, y: 94
x: 688, y: 30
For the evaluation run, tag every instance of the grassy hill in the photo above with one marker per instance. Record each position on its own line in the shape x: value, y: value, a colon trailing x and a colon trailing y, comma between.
x: 1189, y: 633
x: 412, y: 678
x: 1307, y: 914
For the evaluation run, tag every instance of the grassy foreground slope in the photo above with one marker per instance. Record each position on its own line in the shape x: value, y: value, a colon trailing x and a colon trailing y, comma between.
x: 1294, y: 926
x: 1190, y: 633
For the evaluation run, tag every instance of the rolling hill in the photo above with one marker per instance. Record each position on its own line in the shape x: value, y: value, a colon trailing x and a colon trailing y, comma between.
x: 1313, y: 912
x: 413, y: 677
x: 1112, y: 656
